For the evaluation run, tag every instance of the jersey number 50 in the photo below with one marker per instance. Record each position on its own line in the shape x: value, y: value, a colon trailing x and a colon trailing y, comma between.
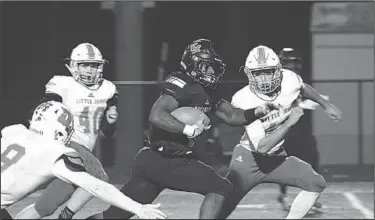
x: 7, y: 160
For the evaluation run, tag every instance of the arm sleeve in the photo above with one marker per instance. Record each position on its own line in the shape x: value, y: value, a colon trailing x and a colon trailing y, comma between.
x: 114, y: 100
x: 109, y: 130
x: 73, y: 162
x: 96, y: 187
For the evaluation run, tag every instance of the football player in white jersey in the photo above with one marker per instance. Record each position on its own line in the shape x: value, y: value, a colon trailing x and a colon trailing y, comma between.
x: 260, y: 157
x: 31, y: 157
x: 92, y: 100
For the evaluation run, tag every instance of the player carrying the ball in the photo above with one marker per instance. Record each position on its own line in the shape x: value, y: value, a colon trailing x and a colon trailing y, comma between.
x: 166, y: 160
x: 260, y: 157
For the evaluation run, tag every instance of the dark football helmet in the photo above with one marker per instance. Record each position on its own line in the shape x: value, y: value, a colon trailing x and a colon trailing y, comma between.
x: 201, y: 62
x: 290, y: 59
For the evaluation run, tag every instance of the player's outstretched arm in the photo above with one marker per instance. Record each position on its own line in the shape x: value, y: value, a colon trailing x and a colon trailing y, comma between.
x: 270, y: 140
x: 308, y: 92
x: 236, y: 116
x: 105, y: 192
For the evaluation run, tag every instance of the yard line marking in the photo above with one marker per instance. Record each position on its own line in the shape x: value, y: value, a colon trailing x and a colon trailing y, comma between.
x: 249, y: 206
x: 357, y: 204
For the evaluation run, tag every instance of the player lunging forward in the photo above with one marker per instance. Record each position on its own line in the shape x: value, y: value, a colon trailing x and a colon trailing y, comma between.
x: 166, y: 160
x: 31, y: 157
x: 260, y: 157
x: 92, y: 100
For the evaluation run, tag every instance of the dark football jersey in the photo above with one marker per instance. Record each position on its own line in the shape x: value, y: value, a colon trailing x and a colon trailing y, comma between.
x: 188, y: 93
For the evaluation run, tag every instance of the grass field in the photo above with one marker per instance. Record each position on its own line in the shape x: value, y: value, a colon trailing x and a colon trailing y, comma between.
x: 346, y: 200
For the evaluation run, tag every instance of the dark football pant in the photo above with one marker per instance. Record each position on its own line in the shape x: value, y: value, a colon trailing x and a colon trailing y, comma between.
x: 59, y: 191
x: 5, y: 214
x: 247, y: 169
x: 304, y: 148
x: 152, y: 173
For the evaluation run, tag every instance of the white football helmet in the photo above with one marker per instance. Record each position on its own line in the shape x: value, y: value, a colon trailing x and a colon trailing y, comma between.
x: 54, y: 121
x: 263, y: 68
x: 91, y: 72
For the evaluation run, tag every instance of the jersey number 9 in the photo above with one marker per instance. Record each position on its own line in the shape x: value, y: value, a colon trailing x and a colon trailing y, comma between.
x: 11, y: 155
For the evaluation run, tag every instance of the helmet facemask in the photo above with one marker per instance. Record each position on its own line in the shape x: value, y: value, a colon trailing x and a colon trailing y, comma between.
x: 207, y: 72
x: 264, y: 80
x: 88, y: 73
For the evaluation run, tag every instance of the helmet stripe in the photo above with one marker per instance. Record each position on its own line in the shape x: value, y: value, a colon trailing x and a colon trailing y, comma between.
x: 90, y: 51
x: 261, y: 56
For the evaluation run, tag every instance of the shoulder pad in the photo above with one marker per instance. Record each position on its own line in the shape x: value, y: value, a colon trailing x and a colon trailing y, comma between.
x: 113, y: 93
x: 177, y: 78
x: 58, y: 84
x: 238, y: 96
x: 109, y: 84
x: 175, y: 85
x: 56, y: 80
x: 13, y: 130
x: 291, y: 79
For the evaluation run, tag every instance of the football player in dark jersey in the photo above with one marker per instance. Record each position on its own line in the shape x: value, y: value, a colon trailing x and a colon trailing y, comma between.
x: 166, y: 160
x: 304, y: 148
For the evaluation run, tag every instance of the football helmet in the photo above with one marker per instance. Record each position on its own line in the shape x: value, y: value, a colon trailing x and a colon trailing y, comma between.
x: 54, y: 121
x: 86, y: 64
x: 201, y: 62
x: 290, y: 59
x: 263, y: 69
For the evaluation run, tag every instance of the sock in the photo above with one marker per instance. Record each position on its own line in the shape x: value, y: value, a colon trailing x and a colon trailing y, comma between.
x: 302, y: 204
x: 66, y: 213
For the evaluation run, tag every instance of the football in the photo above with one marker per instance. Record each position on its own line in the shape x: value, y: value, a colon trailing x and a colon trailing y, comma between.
x: 190, y: 115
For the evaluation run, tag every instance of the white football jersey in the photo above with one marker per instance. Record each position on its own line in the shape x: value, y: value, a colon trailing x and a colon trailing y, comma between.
x: 27, y: 160
x: 86, y: 105
x: 245, y: 99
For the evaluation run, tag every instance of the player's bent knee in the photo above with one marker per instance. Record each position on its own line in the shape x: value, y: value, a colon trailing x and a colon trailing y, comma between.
x: 222, y: 187
x: 314, y: 183
x: 319, y: 184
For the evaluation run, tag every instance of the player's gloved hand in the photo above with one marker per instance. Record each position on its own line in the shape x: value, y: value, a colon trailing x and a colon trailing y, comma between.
x: 150, y: 211
x: 263, y: 110
x: 111, y: 114
x: 193, y: 131
x: 294, y: 116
